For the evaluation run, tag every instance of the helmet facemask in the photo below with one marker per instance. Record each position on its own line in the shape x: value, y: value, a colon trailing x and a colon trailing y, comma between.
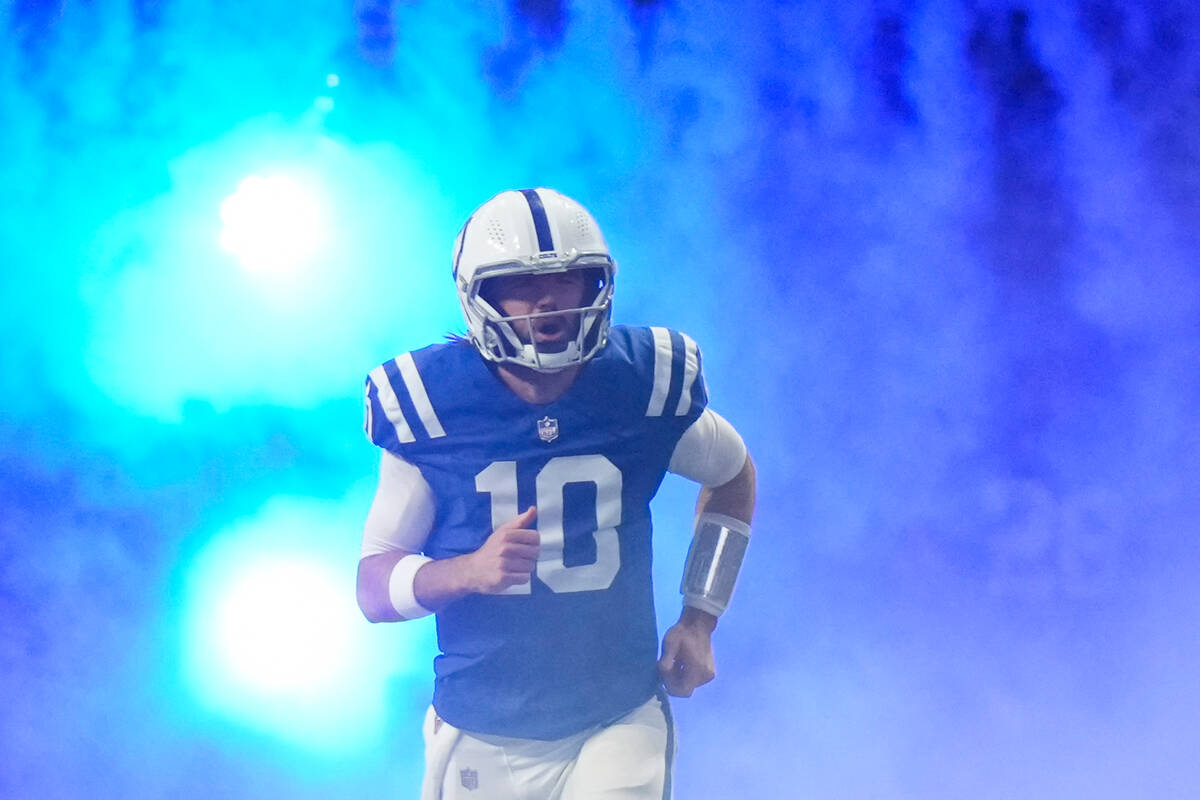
x: 533, y: 232
x: 495, y: 333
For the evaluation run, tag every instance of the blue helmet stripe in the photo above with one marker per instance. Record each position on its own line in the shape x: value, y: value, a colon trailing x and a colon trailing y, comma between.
x: 462, y: 243
x: 541, y: 222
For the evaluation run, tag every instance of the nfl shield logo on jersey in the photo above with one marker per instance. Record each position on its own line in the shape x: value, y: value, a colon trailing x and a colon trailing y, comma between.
x: 547, y: 429
x: 470, y: 779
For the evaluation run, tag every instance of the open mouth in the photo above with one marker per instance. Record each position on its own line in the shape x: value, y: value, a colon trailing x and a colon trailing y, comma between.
x: 550, y: 329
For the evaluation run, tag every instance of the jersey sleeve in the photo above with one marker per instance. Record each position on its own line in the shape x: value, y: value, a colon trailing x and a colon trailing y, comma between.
x: 401, y: 515
x: 710, y: 452
x: 678, y: 389
x: 397, y: 411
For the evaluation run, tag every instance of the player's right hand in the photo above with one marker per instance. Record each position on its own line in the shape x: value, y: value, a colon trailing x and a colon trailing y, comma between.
x: 508, y: 556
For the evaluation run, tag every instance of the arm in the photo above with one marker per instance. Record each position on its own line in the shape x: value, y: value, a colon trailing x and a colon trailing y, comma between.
x: 687, y: 656
x: 397, y: 526
x: 709, y: 451
x: 374, y: 572
x: 506, y: 559
x: 733, y: 499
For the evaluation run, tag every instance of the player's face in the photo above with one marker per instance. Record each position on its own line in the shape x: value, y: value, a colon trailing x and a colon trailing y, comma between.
x: 516, y: 295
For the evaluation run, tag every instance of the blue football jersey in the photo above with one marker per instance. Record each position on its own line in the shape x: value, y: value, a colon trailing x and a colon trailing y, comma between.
x: 578, y: 644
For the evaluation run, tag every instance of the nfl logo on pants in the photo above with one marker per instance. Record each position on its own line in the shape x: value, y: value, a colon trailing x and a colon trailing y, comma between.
x: 470, y: 779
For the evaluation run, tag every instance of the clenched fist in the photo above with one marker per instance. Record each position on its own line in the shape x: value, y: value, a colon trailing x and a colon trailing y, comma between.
x: 687, y: 656
x: 508, y: 556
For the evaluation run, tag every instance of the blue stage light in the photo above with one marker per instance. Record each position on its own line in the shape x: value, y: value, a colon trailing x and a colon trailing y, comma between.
x: 336, y: 258
x: 273, y: 641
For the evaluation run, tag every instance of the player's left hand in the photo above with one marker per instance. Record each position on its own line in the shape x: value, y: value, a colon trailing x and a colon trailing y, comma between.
x: 687, y: 656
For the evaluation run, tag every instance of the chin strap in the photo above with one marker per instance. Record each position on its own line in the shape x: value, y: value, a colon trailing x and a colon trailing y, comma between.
x: 503, y: 346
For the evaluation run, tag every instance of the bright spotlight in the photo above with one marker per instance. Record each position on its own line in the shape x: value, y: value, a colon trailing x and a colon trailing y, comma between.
x: 272, y: 636
x: 280, y: 627
x: 272, y: 223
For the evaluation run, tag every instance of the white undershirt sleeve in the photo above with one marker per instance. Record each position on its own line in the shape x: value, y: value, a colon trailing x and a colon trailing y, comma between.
x: 710, y: 452
x: 401, y: 515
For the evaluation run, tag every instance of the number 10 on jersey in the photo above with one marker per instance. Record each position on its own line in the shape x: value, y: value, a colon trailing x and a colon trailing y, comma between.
x: 499, y: 480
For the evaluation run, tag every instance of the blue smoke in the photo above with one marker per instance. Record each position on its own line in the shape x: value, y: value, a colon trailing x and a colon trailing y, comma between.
x: 940, y: 260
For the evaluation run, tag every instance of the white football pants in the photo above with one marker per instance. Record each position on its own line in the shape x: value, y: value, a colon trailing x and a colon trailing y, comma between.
x: 629, y: 759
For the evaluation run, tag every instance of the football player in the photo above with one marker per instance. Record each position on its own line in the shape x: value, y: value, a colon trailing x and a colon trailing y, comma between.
x: 514, y: 497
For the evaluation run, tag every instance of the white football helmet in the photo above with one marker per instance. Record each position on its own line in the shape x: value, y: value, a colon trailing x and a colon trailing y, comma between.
x: 532, y: 232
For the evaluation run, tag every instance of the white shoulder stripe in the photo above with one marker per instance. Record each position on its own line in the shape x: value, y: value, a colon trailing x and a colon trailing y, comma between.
x: 391, y: 406
x: 691, y: 368
x: 662, y: 372
x: 368, y: 411
x: 420, y: 398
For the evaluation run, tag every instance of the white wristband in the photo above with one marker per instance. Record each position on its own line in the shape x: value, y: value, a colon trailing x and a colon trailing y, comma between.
x: 400, y: 587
